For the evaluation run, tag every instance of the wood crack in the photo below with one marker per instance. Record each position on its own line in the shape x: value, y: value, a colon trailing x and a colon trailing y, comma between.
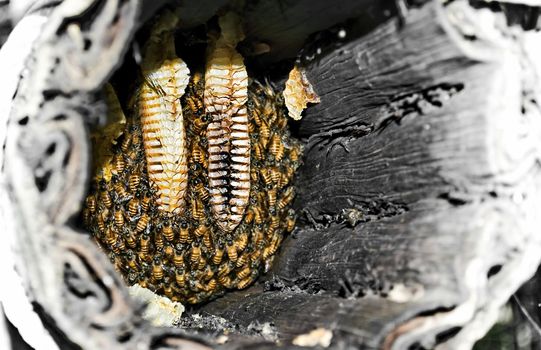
x: 357, y: 212
x: 418, y: 103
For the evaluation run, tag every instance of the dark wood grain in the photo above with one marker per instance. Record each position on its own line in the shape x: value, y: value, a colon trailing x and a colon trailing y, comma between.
x: 408, y: 188
x: 285, y: 25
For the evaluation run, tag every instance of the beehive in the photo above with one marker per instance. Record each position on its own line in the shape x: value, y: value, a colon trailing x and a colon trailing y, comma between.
x: 186, y: 255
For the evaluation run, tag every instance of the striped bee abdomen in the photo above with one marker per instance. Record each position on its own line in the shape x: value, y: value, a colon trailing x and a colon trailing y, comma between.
x: 225, y: 97
x: 164, y: 138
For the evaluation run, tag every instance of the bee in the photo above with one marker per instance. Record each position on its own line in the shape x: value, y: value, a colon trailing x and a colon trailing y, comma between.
x: 91, y: 204
x: 207, y: 274
x: 101, y: 220
x: 286, y: 198
x: 225, y: 281
x: 251, y: 128
x: 274, y: 222
x: 119, y: 246
x: 256, y: 116
x: 195, y: 104
x: 134, y: 182
x: 242, y: 260
x: 267, y: 179
x: 167, y: 288
x: 132, y: 155
x: 290, y: 221
x: 261, y: 199
x: 136, y: 135
x: 105, y: 197
x: 295, y: 154
x: 232, y: 251
x: 255, y: 257
x: 132, y: 261
x: 270, y: 113
x: 202, y: 263
x: 86, y: 217
x: 288, y: 174
x: 184, y: 233
x: 264, y: 134
x: 201, y: 230
x: 284, y: 179
x: 200, y: 123
x: 145, y: 202
x: 144, y: 244
x: 119, y: 164
x: 121, y: 190
x: 118, y: 217
x: 168, y: 250
x: 198, y: 155
x: 254, y: 176
x: 196, y: 79
x: 157, y: 269
x: 276, y: 147
x: 258, y: 215
x: 158, y: 240
x: 225, y: 269
x: 272, y: 247
x: 218, y: 254
x: 198, y: 211
x: 180, y: 277
x: 142, y: 223
x: 245, y: 272
x: 275, y: 174
x: 195, y: 254
x: 207, y: 241
x: 167, y: 231
x: 259, y: 151
x: 110, y: 237
x: 245, y: 282
x: 201, y: 191
x: 266, y: 253
x: 281, y: 123
x: 130, y: 239
x: 271, y: 197
x: 242, y: 241
x: 195, y: 285
x: 178, y: 258
x: 193, y: 299
x: 249, y: 216
x: 211, y: 286
x: 126, y: 143
x: 257, y: 235
x: 133, y: 207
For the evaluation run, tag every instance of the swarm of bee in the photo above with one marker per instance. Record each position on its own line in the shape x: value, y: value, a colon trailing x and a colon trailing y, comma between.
x: 181, y: 209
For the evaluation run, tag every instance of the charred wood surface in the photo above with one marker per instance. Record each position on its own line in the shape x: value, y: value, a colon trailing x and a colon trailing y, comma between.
x: 416, y: 187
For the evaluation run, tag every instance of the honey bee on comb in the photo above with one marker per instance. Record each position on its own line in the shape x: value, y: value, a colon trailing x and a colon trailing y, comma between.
x: 167, y: 235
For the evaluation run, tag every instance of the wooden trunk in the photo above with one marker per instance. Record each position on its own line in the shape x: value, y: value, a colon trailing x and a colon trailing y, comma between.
x: 418, y: 194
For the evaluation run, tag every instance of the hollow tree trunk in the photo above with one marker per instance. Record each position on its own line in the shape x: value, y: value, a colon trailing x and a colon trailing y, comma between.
x: 419, y: 190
